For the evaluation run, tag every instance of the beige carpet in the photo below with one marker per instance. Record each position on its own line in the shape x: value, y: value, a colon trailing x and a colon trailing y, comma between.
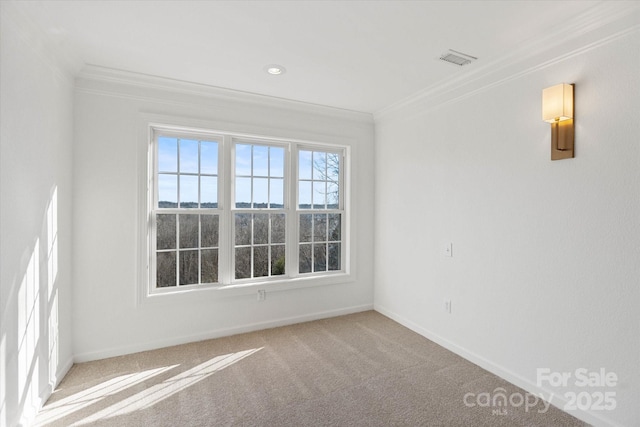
x: 358, y: 370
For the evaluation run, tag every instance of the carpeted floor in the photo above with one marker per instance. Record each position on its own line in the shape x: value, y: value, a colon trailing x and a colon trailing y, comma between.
x: 357, y: 370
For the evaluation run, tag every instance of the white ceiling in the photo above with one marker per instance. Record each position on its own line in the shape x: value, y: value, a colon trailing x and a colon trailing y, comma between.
x: 356, y: 55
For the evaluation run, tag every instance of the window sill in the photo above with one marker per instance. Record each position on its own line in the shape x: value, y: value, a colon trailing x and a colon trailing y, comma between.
x: 250, y: 288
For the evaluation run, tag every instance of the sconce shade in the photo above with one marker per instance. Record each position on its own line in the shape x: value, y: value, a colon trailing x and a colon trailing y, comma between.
x: 557, y: 103
x: 557, y: 109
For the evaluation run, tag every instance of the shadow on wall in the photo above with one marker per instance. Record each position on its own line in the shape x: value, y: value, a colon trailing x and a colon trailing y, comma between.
x: 29, y: 353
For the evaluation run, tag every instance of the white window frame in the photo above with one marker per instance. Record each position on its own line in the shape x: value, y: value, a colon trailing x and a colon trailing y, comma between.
x: 226, y: 208
x: 285, y: 210
x: 153, y: 210
x: 341, y: 152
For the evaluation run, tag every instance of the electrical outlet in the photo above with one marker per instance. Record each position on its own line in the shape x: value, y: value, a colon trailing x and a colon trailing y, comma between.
x: 262, y: 294
x: 447, y: 306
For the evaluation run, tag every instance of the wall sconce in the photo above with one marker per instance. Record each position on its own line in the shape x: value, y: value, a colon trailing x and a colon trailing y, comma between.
x: 557, y: 109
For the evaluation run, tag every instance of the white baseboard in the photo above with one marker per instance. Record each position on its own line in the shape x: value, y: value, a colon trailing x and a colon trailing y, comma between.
x: 60, y: 374
x: 216, y: 333
x: 502, y: 372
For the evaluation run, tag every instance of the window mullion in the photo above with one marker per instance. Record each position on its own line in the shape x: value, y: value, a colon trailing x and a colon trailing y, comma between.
x: 269, y: 177
x: 326, y: 181
x: 178, y: 249
x: 269, y: 242
x: 226, y: 250
x: 293, y: 227
x: 251, y: 202
x: 177, y: 246
x: 178, y: 176
x: 252, y: 242
x: 199, y: 250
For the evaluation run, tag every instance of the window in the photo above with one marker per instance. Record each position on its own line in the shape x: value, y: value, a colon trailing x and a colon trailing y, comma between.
x: 185, y: 216
x: 259, y: 237
x: 232, y: 211
x: 320, y: 216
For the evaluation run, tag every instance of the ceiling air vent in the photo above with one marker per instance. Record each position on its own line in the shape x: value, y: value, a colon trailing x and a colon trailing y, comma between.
x: 457, y: 58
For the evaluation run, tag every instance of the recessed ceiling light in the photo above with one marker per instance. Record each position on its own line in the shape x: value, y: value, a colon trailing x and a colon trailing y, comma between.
x: 275, y: 69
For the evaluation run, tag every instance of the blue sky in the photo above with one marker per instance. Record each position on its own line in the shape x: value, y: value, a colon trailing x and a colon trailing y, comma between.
x: 257, y: 167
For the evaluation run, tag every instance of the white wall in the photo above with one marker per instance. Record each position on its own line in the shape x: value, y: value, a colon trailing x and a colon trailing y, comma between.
x: 546, y: 268
x: 110, y: 109
x: 35, y: 218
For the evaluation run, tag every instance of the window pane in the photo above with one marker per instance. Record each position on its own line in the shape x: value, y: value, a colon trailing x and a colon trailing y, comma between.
x: 304, y: 165
x: 243, y: 229
x: 319, y: 257
x: 188, y: 267
x: 243, y: 192
x: 209, y: 266
x: 208, y: 192
x: 278, y: 226
x: 319, y: 228
x: 319, y: 193
x: 188, y: 191
x: 188, y: 156
x: 209, y: 157
x: 333, y: 195
x: 333, y: 167
x: 165, y: 269
x: 167, y: 191
x: 276, y: 167
x: 260, y: 192
x: 165, y: 231
x: 304, y: 265
x: 260, y: 160
x: 167, y: 154
x: 261, y: 229
x: 305, y: 227
x: 277, y: 260
x: 209, y: 231
x: 335, y: 231
x: 304, y: 198
x: 261, y: 261
x: 334, y: 256
x: 189, y: 231
x: 243, y: 159
x: 319, y: 166
x: 243, y: 263
x: 276, y: 194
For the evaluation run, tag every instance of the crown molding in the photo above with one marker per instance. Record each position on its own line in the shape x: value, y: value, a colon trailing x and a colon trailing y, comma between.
x: 602, y: 24
x: 112, y: 82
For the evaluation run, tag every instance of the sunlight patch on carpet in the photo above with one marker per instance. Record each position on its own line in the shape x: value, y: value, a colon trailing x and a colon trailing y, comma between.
x: 77, y: 401
x: 158, y: 392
